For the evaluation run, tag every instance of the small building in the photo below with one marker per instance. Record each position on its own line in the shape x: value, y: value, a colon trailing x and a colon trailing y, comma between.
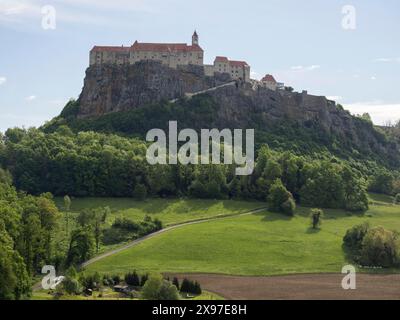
x: 121, y: 288
x: 269, y: 82
x: 238, y: 70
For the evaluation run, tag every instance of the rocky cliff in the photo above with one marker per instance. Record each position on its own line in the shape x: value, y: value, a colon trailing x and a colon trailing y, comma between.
x: 111, y: 88
x: 134, y: 99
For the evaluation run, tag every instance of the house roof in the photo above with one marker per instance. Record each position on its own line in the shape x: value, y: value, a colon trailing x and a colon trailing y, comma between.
x: 166, y: 47
x: 269, y: 78
x: 111, y: 49
x: 159, y: 47
x: 238, y: 63
x: 221, y: 59
x: 231, y: 62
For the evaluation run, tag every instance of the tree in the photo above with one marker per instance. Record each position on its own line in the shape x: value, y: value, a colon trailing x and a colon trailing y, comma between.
x: 140, y: 192
x: 156, y: 288
x: 81, y: 246
x: 279, y: 199
x: 71, y: 286
x: 355, y: 236
x: 168, y: 291
x: 196, y: 288
x: 132, y: 279
x: 175, y: 282
x: 316, y: 217
x: 323, y: 185
x: 144, y: 279
x: 67, y: 207
x: 382, y: 182
x: 14, y: 279
x: 380, y: 247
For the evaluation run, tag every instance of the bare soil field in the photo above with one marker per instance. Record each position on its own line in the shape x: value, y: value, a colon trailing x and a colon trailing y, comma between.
x: 299, y: 287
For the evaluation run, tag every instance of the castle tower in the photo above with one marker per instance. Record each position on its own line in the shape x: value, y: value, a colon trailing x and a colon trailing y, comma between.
x: 195, y: 39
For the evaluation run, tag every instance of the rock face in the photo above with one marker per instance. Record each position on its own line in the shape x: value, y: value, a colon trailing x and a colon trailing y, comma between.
x: 245, y: 107
x: 111, y: 88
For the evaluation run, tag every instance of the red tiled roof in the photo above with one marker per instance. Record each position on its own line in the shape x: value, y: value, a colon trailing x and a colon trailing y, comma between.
x: 111, y: 49
x: 269, y: 78
x: 238, y: 63
x: 221, y: 59
x: 231, y: 62
x: 165, y: 47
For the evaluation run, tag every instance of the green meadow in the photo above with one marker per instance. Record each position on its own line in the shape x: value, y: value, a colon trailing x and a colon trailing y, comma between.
x: 258, y: 244
x: 169, y: 211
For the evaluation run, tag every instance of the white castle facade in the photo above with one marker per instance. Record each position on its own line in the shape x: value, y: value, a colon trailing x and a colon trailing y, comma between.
x: 170, y: 54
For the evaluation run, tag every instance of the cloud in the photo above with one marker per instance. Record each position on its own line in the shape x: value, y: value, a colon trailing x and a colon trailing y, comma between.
x: 72, y: 11
x: 373, y: 78
x: 30, y: 98
x: 15, y: 10
x: 306, y: 68
x: 380, y: 112
x: 126, y: 5
x: 3, y: 80
x: 387, y: 60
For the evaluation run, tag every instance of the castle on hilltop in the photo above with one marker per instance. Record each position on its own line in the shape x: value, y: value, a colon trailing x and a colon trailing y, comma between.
x: 171, y: 55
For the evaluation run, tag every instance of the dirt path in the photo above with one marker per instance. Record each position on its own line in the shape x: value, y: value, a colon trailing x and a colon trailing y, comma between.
x: 299, y: 287
x: 152, y: 235
x: 37, y: 286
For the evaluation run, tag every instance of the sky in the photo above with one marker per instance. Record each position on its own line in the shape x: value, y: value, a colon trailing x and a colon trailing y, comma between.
x: 346, y: 50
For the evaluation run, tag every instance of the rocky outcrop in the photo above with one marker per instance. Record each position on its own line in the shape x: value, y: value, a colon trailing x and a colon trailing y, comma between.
x: 112, y: 88
x: 263, y: 108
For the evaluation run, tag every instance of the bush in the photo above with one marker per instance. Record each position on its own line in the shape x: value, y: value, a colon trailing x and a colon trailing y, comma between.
x: 380, y: 247
x: 355, y: 236
x: 316, y: 217
x: 140, y: 192
x: 397, y: 199
x: 279, y: 199
x: 116, y: 279
x: 376, y: 247
x: 92, y: 282
x: 71, y: 286
x: 156, y: 288
x: 132, y: 279
x: 124, y: 229
x: 144, y: 279
x: 192, y: 287
x: 289, y: 207
x: 175, y: 282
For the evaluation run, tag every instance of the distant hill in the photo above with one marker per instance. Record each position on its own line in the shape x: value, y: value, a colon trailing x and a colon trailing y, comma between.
x: 131, y: 100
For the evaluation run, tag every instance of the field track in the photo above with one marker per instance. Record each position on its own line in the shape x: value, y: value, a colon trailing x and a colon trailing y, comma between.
x: 299, y: 287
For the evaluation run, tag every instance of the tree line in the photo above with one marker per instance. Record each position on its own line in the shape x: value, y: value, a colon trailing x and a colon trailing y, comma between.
x: 96, y: 164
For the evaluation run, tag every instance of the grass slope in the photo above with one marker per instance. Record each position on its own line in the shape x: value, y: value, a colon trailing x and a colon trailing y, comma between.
x: 169, y: 211
x: 258, y: 244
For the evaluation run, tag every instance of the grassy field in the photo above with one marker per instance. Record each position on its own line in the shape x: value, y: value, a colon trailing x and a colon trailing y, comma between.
x: 169, y: 211
x: 259, y: 244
